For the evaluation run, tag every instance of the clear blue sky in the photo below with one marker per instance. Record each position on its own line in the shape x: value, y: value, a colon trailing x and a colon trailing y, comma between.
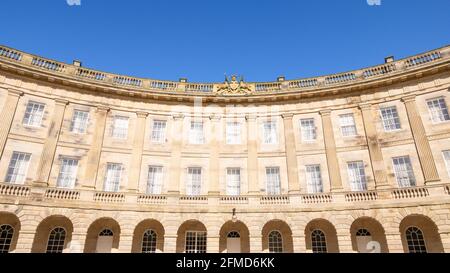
x: 203, y: 39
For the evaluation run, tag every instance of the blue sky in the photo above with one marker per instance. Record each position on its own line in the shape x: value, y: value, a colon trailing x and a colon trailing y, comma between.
x: 203, y: 39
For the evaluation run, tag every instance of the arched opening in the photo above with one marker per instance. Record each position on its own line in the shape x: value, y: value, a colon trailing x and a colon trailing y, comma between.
x: 420, y: 235
x: 9, y: 232
x: 53, y: 235
x: 277, y: 237
x: 234, y: 238
x: 148, y: 237
x: 368, y: 236
x: 321, y: 237
x: 103, y: 236
x: 192, y: 237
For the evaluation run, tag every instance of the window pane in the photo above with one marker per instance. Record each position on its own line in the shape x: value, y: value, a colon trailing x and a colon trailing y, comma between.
x: 357, y: 176
x: 233, y: 133
x: 415, y: 240
x: 318, y: 242
x: 195, y: 242
x: 56, y: 240
x: 155, y: 180
x: 391, y: 120
x: 233, y: 181
x: 120, y: 127
x: 67, y: 173
x: 6, y: 235
x: 447, y: 160
x: 273, y: 181
x: 194, y: 181
x: 275, y: 242
x: 404, y: 172
x: 314, y: 179
x: 159, y: 131
x: 438, y: 110
x: 79, y: 122
x: 308, y: 129
x: 33, y: 114
x: 113, y: 176
x: 270, y: 132
x: 196, y: 133
x: 348, y: 127
x: 18, y: 168
x: 149, y: 242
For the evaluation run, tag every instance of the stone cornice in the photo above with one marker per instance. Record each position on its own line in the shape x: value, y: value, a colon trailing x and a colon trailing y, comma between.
x: 27, y: 65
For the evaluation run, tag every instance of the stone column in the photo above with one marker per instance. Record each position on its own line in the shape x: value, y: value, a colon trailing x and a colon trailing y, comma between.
x: 394, y: 242
x: 212, y: 244
x: 376, y: 156
x: 214, y: 164
x: 78, y: 241
x: 252, y: 159
x: 25, y: 239
x: 344, y: 241
x: 136, y: 157
x: 93, y: 156
x: 256, y: 244
x: 175, y: 158
x: 51, y: 142
x: 330, y: 149
x: 299, y: 243
x: 445, y: 238
x: 291, y: 154
x: 170, y: 243
x: 423, y: 148
x: 126, y: 242
x: 7, y: 115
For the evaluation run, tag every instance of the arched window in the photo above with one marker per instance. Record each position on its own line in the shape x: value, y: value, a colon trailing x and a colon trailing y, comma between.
x: 106, y: 233
x: 318, y: 241
x: 6, y: 234
x: 56, y: 240
x: 149, y: 242
x: 234, y: 234
x: 275, y: 242
x: 363, y: 233
x: 415, y: 240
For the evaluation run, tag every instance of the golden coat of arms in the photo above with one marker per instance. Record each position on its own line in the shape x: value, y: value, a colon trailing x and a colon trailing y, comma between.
x: 234, y: 87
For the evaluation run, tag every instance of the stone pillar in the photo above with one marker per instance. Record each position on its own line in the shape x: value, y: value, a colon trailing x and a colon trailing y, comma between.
x: 25, y: 240
x: 376, y: 156
x: 445, y: 238
x: 344, y: 241
x: 299, y: 243
x: 212, y: 244
x: 136, y: 157
x: 330, y: 148
x: 394, y: 242
x: 7, y: 115
x: 252, y: 159
x: 78, y: 241
x: 423, y: 148
x: 170, y: 243
x: 175, y: 158
x: 125, y: 243
x: 51, y: 142
x: 93, y: 157
x: 256, y: 244
x: 214, y: 164
x: 291, y: 154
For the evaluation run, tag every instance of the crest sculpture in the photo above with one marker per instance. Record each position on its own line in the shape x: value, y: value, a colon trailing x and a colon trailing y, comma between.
x: 234, y: 87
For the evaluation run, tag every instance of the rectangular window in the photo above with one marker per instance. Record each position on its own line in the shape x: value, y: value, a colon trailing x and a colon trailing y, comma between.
x: 18, y: 168
x: 233, y: 133
x: 79, y: 122
x: 155, y: 180
x: 438, y: 110
x: 348, y: 126
x: 233, y: 181
x: 194, y: 181
x: 404, y: 172
x: 314, y: 179
x: 120, y: 127
x: 33, y: 114
x: 273, y: 181
x: 447, y: 160
x: 357, y: 176
x: 270, y: 132
x: 308, y: 130
x: 195, y: 242
x: 67, y: 173
x: 196, y: 133
x: 159, y: 131
x: 391, y: 120
x: 113, y: 176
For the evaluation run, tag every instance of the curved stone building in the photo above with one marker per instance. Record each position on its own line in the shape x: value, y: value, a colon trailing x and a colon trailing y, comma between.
x: 97, y: 162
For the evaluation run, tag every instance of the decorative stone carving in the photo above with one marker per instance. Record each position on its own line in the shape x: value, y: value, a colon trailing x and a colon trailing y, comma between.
x: 234, y: 87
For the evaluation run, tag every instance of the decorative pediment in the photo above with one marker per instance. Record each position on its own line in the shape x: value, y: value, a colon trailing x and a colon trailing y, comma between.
x: 234, y: 87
